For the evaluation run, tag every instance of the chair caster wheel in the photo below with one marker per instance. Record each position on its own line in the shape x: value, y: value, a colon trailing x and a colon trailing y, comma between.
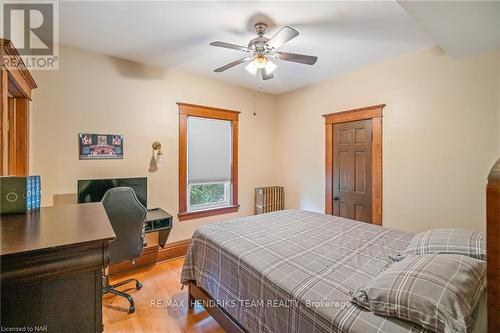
x: 131, y: 309
x: 138, y: 285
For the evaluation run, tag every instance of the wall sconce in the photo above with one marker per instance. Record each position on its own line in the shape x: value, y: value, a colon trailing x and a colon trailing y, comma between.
x: 159, y: 155
x: 156, y: 158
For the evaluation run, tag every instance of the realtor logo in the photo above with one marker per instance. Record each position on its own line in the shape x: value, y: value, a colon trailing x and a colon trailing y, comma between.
x: 32, y: 28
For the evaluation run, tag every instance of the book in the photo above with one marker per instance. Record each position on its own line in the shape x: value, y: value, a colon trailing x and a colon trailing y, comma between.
x: 33, y: 195
x: 29, y: 197
x: 37, y: 192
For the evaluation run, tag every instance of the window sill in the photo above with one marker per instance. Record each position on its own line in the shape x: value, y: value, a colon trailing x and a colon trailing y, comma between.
x: 207, y: 212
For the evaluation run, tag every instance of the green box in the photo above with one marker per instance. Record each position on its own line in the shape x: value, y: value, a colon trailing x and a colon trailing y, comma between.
x: 15, y: 195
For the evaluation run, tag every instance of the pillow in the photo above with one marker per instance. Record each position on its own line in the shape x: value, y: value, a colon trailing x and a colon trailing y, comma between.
x: 436, y: 291
x: 453, y: 241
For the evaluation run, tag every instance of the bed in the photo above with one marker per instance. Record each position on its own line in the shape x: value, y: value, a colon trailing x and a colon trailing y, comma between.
x: 295, y: 271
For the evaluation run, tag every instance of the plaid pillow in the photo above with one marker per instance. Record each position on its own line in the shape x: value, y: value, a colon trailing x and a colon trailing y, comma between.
x: 452, y: 241
x: 436, y: 291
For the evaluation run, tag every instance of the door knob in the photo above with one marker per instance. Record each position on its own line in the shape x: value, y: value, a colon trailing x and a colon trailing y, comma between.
x: 336, y: 199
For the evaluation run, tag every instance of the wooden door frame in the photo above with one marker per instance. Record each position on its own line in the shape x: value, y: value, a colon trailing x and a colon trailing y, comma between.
x: 15, y: 82
x: 375, y: 114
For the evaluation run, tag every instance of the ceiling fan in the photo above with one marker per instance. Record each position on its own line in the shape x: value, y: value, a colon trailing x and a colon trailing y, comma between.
x: 262, y: 50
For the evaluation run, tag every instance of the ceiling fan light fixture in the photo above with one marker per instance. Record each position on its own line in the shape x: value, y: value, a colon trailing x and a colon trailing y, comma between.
x: 260, y: 61
x: 251, y: 68
x: 270, y: 67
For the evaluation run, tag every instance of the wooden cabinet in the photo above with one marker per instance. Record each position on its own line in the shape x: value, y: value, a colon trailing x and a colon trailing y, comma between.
x: 16, y: 85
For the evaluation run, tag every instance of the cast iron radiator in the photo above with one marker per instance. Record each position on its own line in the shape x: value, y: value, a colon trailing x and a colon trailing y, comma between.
x: 269, y: 199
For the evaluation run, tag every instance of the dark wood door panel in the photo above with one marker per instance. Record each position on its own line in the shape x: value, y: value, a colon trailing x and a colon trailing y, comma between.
x: 352, y: 161
x: 344, y: 209
x: 343, y: 170
x: 360, y: 162
x: 360, y: 212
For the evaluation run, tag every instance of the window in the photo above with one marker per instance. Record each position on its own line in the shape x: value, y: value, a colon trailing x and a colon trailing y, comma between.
x: 208, y: 166
x: 209, y: 160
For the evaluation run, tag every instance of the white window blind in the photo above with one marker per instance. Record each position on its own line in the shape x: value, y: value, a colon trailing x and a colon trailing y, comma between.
x: 209, y: 146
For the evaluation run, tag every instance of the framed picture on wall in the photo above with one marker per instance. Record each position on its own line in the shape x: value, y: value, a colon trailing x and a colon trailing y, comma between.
x: 100, y: 146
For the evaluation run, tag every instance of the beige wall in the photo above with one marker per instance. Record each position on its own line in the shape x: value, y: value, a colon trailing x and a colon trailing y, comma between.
x: 441, y: 132
x: 441, y: 135
x: 100, y: 94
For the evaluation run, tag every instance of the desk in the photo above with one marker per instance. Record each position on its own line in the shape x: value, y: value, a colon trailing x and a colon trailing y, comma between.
x: 51, y: 268
x: 158, y: 220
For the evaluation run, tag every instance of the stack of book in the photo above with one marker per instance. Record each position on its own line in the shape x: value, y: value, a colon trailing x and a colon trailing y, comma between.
x: 20, y: 194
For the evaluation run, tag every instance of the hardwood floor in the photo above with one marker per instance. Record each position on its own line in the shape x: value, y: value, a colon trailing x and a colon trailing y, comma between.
x: 161, y: 305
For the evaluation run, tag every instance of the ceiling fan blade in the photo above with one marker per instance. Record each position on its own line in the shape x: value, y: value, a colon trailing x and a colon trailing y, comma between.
x: 265, y: 76
x: 231, y: 46
x: 231, y: 64
x: 295, y: 57
x: 283, y: 36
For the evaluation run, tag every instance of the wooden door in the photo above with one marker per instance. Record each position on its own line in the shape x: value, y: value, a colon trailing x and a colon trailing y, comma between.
x: 352, y: 170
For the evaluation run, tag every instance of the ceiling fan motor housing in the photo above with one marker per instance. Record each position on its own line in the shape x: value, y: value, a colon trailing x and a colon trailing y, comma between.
x: 260, y: 28
x: 258, y: 44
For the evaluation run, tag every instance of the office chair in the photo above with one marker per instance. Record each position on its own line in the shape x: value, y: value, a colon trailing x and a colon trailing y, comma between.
x: 127, y: 216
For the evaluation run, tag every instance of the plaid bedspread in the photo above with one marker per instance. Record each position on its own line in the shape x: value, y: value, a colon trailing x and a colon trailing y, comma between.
x: 293, y: 271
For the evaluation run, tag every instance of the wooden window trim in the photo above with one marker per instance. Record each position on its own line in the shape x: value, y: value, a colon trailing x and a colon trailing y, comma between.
x: 375, y: 114
x: 193, y: 110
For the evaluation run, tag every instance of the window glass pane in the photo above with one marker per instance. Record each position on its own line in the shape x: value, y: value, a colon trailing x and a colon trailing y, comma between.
x: 207, y: 194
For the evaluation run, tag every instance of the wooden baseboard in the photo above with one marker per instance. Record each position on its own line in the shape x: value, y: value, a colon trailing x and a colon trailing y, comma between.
x: 152, y: 255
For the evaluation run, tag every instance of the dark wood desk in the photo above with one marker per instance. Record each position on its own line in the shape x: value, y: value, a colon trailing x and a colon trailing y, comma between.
x: 51, y: 268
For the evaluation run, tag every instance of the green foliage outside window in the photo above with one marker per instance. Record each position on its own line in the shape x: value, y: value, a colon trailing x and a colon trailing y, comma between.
x: 206, y: 193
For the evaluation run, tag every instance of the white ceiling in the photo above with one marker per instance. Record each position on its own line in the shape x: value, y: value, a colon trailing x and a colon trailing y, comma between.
x: 461, y: 28
x: 344, y: 35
